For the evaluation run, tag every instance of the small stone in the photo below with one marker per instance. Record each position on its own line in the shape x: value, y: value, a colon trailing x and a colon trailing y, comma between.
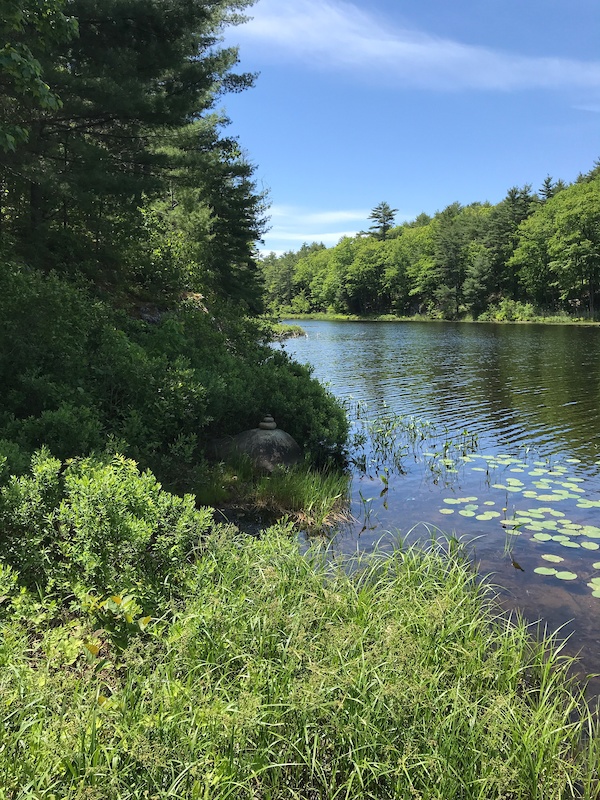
x: 268, y: 423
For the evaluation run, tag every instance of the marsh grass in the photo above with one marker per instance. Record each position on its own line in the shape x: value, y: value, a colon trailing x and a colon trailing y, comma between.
x: 291, y: 676
x: 315, y: 499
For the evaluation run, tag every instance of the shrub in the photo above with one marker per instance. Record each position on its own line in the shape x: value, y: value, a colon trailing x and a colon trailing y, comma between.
x: 100, y: 525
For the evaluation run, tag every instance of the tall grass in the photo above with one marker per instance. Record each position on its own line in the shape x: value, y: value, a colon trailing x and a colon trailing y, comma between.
x: 290, y: 676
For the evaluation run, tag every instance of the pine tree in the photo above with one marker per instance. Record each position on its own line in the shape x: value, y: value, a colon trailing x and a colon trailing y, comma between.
x: 383, y: 217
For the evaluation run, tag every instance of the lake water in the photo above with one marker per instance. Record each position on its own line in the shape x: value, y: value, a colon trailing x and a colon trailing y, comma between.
x: 496, y: 435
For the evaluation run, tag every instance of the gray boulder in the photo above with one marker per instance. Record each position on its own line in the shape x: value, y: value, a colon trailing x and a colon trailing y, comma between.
x: 267, y: 446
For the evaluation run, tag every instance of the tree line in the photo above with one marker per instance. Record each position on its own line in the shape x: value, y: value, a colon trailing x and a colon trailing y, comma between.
x: 532, y: 253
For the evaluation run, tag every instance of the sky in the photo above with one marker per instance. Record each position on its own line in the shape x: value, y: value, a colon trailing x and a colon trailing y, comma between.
x: 418, y: 104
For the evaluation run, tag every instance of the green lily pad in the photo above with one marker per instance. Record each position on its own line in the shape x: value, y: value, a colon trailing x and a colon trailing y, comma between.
x: 596, y: 565
x: 569, y: 544
x: 485, y: 517
x: 545, y: 570
x: 590, y: 545
x: 594, y: 583
x: 489, y: 503
x: 453, y: 501
x: 596, y: 593
x: 446, y: 511
x: 464, y: 513
x: 551, y: 557
x: 542, y: 537
x: 530, y: 494
x: 560, y: 538
x: 566, y: 576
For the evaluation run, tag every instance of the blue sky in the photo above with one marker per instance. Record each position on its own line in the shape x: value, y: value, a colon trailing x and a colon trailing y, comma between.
x: 416, y: 104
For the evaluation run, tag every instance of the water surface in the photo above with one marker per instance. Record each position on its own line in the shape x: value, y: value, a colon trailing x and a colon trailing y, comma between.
x: 512, y: 421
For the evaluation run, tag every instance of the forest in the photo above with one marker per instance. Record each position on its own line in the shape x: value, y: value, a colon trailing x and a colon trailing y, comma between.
x: 130, y: 293
x: 534, y: 254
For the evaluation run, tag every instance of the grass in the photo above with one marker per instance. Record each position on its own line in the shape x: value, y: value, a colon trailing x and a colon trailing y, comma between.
x: 291, y: 676
x: 313, y: 498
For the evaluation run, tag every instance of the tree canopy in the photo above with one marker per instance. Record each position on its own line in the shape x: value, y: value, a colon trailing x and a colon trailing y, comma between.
x: 539, y: 251
x: 129, y: 223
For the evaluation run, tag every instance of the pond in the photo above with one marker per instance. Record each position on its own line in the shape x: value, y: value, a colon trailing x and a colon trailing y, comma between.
x: 489, y: 432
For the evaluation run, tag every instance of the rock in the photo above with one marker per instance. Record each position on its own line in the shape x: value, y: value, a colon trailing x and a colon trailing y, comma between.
x: 267, y: 446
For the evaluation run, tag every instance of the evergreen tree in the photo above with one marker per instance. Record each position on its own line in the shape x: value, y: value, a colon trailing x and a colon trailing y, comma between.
x: 383, y: 218
x: 136, y: 85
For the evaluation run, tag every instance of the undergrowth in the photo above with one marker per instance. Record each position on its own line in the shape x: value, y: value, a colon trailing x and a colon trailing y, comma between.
x: 149, y: 653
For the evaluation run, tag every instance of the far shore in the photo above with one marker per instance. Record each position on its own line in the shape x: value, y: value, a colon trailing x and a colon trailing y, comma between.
x: 541, y: 320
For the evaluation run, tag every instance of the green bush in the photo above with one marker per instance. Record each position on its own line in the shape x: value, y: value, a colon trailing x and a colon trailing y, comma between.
x: 77, y: 374
x: 99, y: 525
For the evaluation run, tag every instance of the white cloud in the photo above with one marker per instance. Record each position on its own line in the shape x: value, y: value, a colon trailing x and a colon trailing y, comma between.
x: 317, y: 218
x: 291, y: 226
x: 337, y: 34
x: 330, y: 237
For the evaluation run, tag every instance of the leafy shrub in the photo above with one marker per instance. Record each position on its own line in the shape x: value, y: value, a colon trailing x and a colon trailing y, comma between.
x: 97, y: 524
x: 509, y: 311
x: 77, y: 374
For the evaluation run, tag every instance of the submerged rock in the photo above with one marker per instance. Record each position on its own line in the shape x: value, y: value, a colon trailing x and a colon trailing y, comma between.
x: 267, y: 446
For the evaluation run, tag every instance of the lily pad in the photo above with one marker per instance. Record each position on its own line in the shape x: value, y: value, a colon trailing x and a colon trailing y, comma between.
x: 590, y: 545
x: 569, y: 544
x: 596, y: 565
x: 551, y: 557
x: 453, y: 501
x: 591, y: 531
x: 446, y: 511
x: 464, y: 513
x: 566, y: 576
x: 545, y: 570
x: 542, y: 537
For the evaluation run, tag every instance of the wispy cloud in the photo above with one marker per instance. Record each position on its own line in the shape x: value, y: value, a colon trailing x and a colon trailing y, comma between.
x: 292, y: 226
x: 592, y: 108
x: 317, y: 218
x: 337, y: 34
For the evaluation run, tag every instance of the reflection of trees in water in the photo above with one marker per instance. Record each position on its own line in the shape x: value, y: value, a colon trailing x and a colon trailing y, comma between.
x: 521, y: 385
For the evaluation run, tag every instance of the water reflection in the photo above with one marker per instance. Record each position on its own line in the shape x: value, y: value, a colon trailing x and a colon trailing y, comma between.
x: 528, y: 393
